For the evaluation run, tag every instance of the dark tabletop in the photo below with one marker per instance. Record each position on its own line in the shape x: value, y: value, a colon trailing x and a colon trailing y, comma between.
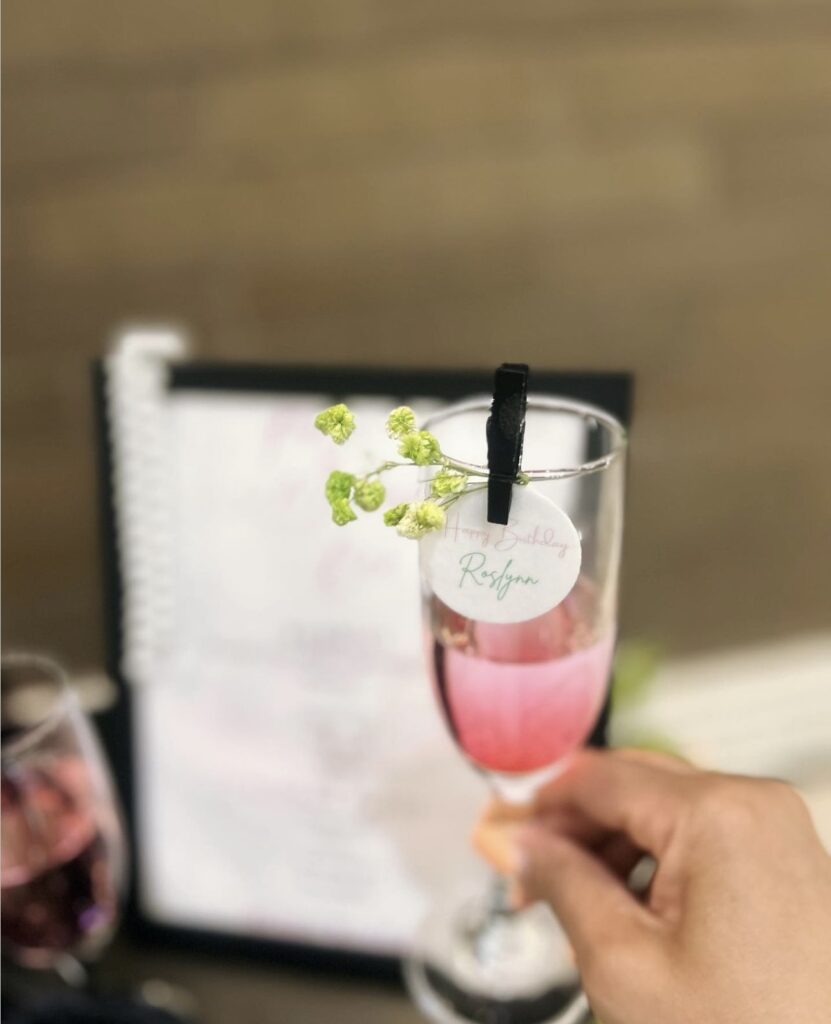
x: 219, y: 990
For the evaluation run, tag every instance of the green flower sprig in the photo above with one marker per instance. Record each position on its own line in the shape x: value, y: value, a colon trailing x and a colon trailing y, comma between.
x: 346, y: 491
x: 336, y: 422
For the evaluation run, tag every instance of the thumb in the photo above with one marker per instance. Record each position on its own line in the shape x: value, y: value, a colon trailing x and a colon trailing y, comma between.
x: 594, y: 907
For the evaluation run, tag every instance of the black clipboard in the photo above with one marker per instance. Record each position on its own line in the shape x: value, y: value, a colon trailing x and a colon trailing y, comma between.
x: 612, y: 392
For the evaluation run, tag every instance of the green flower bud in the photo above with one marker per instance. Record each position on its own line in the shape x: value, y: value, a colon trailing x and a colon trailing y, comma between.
x: 446, y: 482
x: 421, y: 447
x: 409, y: 528
x: 338, y: 485
x: 400, y: 421
x: 420, y: 519
x: 394, y: 515
x: 430, y: 515
x: 336, y: 422
x: 342, y: 512
x: 369, y: 494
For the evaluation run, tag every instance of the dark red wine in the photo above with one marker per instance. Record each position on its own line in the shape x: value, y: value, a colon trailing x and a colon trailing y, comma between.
x: 58, y: 884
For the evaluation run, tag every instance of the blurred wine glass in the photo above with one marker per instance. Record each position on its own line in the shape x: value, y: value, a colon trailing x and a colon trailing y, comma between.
x: 63, y: 847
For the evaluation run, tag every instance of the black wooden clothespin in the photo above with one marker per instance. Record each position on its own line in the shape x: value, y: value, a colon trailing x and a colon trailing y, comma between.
x: 505, y: 432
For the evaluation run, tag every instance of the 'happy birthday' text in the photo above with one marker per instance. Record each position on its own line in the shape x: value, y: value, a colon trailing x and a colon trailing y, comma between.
x: 504, y: 538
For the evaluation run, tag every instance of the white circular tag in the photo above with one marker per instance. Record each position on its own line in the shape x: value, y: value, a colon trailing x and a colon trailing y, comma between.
x: 507, y: 573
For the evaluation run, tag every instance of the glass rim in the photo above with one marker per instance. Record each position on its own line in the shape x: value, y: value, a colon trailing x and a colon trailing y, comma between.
x: 584, y: 410
x: 63, y: 703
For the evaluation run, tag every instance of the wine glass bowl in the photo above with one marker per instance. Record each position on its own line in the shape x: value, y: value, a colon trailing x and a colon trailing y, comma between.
x: 63, y: 849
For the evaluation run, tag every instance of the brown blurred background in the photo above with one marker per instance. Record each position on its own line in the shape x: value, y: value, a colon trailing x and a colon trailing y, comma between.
x: 624, y: 184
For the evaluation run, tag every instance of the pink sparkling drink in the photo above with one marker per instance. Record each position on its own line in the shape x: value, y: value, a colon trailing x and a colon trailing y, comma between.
x: 518, y: 698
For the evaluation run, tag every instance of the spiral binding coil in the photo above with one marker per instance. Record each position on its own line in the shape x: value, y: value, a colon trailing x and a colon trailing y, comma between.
x: 135, y: 390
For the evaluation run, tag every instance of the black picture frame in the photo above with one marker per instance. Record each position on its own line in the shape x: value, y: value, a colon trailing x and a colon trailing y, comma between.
x: 611, y: 391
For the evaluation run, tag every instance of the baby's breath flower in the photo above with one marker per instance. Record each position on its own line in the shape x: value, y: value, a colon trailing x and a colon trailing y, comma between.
x: 421, y: 447
x: 446, y: 482
x: 369, y: 494
x: 421, y: 518
x: 336, y: 422
x: 347, y: 492
x: 408, y: 527
x: 430, y: 515
x: 338, y: 485
x: 342, y: 512
x: 400, y: 421
x: 394, y: 515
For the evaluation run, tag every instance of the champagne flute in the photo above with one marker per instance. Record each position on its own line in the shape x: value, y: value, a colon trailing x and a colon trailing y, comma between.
x: 64, y: 854
x: 519, y: 691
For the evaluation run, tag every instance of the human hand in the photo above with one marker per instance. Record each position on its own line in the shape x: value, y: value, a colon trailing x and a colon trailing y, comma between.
x: 735, y: 927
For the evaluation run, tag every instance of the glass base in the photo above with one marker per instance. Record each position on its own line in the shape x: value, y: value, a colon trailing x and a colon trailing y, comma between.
x: 477, y: 961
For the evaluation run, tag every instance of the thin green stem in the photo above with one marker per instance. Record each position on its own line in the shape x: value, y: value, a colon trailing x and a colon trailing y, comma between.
x: 460, y: 467
x: 452, y: 498
x: 446, y: 463
x: 385, y: 466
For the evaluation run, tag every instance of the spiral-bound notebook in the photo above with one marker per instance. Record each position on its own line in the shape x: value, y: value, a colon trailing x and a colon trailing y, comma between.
x: 287, y: 778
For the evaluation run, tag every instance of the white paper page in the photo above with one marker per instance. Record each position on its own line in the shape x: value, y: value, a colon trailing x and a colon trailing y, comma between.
x: 296, y: 779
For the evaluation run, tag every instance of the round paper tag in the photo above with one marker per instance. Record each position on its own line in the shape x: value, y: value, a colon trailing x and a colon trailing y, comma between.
x: 507, y: 573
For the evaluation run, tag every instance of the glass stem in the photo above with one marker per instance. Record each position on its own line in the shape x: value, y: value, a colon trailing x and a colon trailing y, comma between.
x: 72, y: 972
x: 499, y: 904
x: 492, y: 937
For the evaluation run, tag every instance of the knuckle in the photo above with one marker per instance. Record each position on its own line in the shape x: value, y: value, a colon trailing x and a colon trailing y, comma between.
x: 782, y: 793
x: 727, y: 807
x: 784, y: 801
x: 732, y: 808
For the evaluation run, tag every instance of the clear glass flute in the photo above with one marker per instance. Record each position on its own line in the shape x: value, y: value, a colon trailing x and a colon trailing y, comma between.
x: 518, y: 697
x: 64, y: 854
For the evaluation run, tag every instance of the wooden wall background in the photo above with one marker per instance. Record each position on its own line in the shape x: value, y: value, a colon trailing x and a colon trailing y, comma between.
x: 641, y: 184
